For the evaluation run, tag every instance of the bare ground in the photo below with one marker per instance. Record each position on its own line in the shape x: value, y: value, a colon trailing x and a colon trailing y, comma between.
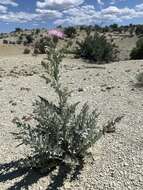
x: 118, y: 157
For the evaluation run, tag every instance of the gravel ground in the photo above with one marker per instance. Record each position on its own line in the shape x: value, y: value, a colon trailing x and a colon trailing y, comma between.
x: 117, y: 158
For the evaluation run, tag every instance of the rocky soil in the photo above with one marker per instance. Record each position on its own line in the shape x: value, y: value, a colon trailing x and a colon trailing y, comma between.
x: 117, y: 162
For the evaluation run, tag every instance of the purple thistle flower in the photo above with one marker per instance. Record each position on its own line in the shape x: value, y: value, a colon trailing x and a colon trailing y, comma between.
x: 56, y: 33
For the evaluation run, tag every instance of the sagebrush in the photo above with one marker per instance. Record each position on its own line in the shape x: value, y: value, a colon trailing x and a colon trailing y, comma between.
x: 26, y: 51
x: 63, y: 133
x: 137, y: 52
x: 39, y: 47
x: 70, y: 32
x: 96, y: 48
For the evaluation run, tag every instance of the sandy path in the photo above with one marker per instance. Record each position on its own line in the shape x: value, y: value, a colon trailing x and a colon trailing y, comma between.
x: 118, y: 157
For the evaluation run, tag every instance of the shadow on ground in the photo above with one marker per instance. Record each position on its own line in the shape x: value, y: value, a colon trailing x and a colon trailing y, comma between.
x: 11, y: 171
x: 137, y: 87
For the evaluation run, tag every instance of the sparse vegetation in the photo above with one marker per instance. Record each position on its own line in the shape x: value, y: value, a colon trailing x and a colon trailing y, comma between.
x: 70, y: 32
x: 137, y: 52
x: 26, y: 51
x: 96, y: 48
x: 18, y: 30
x: 19, y: 42
x: 39, y: 46
x: 114, y: 27
x: 5, y: 41
x: 29, y: 39
x: 37, y: 31
x: 139, y: 30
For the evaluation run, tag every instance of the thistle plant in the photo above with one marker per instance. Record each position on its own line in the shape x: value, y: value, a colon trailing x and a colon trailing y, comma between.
x: 62, y: 133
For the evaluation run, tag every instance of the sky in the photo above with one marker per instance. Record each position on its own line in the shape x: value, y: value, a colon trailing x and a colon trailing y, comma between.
x: 51, y: 13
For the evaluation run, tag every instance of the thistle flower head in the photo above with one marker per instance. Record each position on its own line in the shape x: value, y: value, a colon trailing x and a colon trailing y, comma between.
x: 56, y: 33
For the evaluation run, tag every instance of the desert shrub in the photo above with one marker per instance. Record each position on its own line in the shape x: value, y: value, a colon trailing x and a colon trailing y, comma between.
x: 114, y: 27
x: 26, y: 51
x: 131, y: 31
x: 70, y: 32
x: 62, y: 134
x: 137, y: 52
x: 96, y: 48
x: 35, y: 51
x: 106, y: 29
x: 37, y: 31
x: 82, y: 27
x: 20, y: 37
x: 40, y: 45
x: 140, y: 78
x: 10, y: 42
x: 19, y: 42
x: 5, y: 41
x: 25, y: 43
x: 18, y: 30
x: 29, y: 39
x: 139, y: 30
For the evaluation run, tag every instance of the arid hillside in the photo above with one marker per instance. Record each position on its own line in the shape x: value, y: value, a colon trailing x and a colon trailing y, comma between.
x: 17, y: 41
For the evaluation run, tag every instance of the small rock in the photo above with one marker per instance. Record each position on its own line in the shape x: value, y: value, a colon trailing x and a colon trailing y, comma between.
x: 128, y: 70
x: 125, y: 164
x: 103, y: 90
x: 26, y: 89
x: 14, y: 104
x: 140, y: 179
x: 109, y: 87
x: 80, y: 89
x: 67, y: 186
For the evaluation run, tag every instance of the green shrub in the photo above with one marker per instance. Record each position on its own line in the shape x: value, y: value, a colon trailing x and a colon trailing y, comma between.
x: 139, y: 30
x: 62, y: 134
x: 19, y: 42
x: 96, y: 48
x: 114, y: 27
x: 35, y: 51
x: 137, y: 52
x: 26, y: 51
x: 70, y: 32
x: 5, y: 41
x: 29, y: 39
x: 18, y: 30
x: 12, y: 42
x: 37, y: 31
x: 20, y: 37
x: 40, y: 45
